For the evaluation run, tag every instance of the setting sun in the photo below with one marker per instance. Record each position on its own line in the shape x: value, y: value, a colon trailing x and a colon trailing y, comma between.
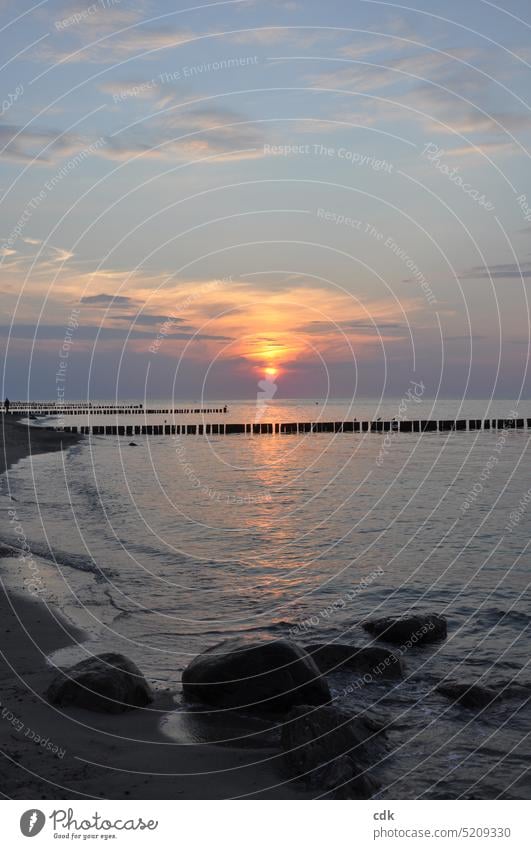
x: 271, y: 371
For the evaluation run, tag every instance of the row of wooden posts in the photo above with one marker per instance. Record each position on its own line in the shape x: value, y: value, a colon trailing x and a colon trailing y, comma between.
x: 112, y: 411
x: 414, y: 426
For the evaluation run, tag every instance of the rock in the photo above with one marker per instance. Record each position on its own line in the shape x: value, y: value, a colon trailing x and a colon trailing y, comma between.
x: 133, y: 444
x: 468, y: 695
x: 331, y: 750
x: 417, y: 629
x: 273, y: 675
x: 107, y: 682
x: 339, y: 780
x: 372, y: 660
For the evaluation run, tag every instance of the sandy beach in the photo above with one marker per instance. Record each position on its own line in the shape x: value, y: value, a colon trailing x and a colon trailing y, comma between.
x: 19, y: 440
x: 58, y: 753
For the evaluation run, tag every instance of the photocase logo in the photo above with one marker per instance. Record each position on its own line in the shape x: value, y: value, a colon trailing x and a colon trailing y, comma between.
x: 32, y: 822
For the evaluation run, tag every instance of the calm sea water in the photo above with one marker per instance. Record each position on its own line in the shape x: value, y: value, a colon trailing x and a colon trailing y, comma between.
x: 164, y: 549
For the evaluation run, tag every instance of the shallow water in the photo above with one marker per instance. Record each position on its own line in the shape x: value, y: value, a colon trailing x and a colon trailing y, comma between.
x: 167, y: 548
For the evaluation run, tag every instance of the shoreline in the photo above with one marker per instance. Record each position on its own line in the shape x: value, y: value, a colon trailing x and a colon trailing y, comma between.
x: 72, y: 753
x: 67, y: 754
x: 20, y: 441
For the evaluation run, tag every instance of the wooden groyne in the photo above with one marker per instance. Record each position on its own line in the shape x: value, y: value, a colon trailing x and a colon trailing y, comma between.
x: 17, y: 408
x: 228, y: 429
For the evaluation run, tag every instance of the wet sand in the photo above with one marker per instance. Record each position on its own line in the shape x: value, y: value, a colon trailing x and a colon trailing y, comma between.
x: 19, y: 441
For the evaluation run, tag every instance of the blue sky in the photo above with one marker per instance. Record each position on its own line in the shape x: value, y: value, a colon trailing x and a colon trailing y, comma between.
x: 337, y: 191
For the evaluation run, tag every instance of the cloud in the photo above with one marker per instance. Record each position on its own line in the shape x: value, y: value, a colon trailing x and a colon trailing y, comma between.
x: 104, y: 300
x: 101, y: 33
x: 271, y: 36
x: 320, y: 327
x: 40, y: 261
x: 185, y: 134
x: 405, y: 70
x: 433, y: 88
x: 107, y: 36
x: 487, y: 148
x: 91, y: 333
x: 36, y: 145
x: 251, y: 318
x: 462, y: 117
x: 281, y: 324
x: 373, y: 44
x: 127, y: 89
x: 61, y: 255
x: 105, y: 17
x: 145, y: 318
x: 503, y: 271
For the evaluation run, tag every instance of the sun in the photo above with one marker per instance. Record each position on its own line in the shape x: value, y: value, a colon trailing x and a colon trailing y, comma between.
x: 271, y: 371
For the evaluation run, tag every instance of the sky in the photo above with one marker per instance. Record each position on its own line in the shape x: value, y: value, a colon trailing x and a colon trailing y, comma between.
x: 333, y: 195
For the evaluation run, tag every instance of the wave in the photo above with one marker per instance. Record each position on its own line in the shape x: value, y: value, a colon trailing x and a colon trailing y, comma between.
x: 512, y: 616
x: 57, y: 557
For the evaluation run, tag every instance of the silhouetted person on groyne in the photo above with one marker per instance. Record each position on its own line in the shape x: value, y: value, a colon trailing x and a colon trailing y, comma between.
x: 6, y: 405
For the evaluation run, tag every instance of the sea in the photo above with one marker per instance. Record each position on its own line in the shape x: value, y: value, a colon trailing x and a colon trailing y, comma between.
x: 166, y: 547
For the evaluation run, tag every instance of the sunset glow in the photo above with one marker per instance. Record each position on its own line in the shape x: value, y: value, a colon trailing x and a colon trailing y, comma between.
x: 229, y: 233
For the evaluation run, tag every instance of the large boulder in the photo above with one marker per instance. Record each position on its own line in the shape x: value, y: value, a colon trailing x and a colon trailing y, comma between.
x: 468, y: 695
x: 417, y: 629
x: 372, y: 661
x: 273, y: 675
x: 332, y: 751
x: 107, y: 682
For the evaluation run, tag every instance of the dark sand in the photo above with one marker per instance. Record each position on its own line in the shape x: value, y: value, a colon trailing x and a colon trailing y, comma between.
x: 20, y: 441
x: 93, y: 755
